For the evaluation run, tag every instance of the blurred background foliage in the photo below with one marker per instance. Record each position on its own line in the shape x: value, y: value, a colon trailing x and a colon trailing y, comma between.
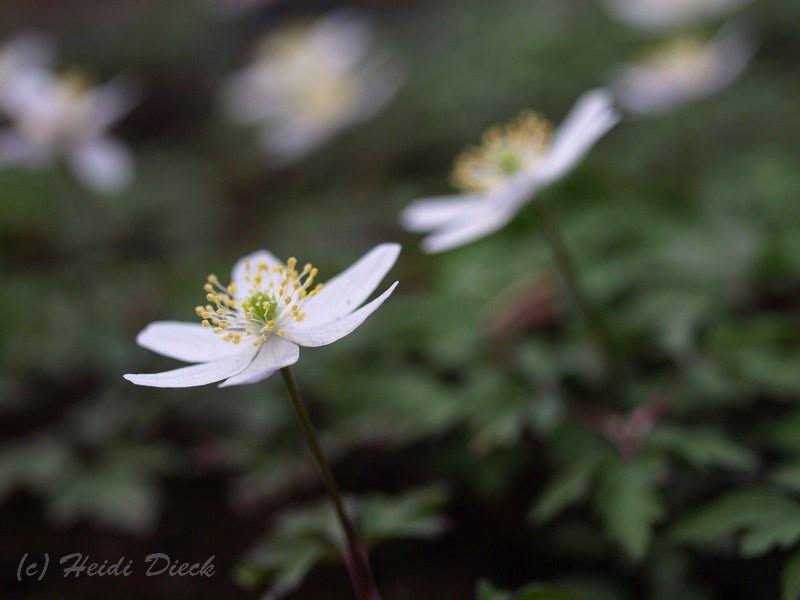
x: 479, y: 371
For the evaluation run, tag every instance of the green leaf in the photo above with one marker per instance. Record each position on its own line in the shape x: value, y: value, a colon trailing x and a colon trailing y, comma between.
x: 765, y: 518
x: 568, y: 487
x: 790, y: 577
x: 787, y: 476
x: 413, y: 515
x: 486, y: 591
x: 702, y: 447
x: 306, y: 536
x: 629, y: 504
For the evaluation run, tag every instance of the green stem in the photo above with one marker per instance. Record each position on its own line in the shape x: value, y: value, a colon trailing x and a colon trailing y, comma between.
x: 595, y: 321
x: 355, y: 557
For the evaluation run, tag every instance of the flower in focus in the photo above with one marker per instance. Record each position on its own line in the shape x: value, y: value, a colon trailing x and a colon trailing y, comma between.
x: 501, y: 175
x: 55, y: 116
x: 309, y: 81
x: 682, y: 70
x: 669, y: 14
x: 253, y: 327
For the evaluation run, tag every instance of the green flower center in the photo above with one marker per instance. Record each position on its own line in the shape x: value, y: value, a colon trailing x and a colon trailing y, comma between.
x: 263, y: 306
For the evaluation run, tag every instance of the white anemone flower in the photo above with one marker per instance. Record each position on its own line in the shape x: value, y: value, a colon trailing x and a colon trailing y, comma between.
x: 660, y: 15
x: 504, y: 173
x: 62, y: 116
x: 309, y: 81
x: 683, y: 70
x: 254, y: 326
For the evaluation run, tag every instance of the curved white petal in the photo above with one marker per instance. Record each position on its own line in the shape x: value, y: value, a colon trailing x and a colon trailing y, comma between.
x: 320, y: 335
x: 102, y: 164
x: 273, y: 354
x: 185, y: 341
x: 239, y: 270
x: 426, y: 214
x: 591, y: 117
x: 342, y: 294
x: 112, y: 101
x: 464, y: 231
x: 194, y: 375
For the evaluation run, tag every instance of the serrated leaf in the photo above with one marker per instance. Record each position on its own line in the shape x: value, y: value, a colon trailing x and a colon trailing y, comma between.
x: 702, y: 447
x: 570, y: 486
x: 790, y: 577
x: 413, y: 515
x: 628, y: 503
x: 765, y: 518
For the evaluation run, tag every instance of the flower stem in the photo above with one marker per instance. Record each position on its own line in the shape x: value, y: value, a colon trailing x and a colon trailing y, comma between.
x: 355, y: 556
x: 595, y: 321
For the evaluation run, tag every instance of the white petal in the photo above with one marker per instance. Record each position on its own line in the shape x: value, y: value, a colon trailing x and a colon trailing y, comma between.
x: 273, y: 354
x: 427, y: 214
x: 112, y: 101
x: 185, y: 341
x: 239, y: 270
x: 592, y: 116
x: 321, y: 335
x: 194, y: 375
x: 342, y: 294
x: 102, y: 164
x: 464, y: 231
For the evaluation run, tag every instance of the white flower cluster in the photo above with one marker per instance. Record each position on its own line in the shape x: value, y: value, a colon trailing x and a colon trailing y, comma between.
x: 50, y: 116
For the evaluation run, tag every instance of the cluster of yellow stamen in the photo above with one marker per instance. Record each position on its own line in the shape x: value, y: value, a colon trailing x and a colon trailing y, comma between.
x: 505, y: 150
x: 276, y: 295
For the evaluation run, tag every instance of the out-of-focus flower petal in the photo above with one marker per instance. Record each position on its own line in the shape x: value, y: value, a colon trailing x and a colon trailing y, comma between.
x: 102, y: 164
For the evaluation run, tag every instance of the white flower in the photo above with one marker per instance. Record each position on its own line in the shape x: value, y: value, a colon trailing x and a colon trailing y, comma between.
x: 309, y: 81
x: 669, y: 14
x: 506, y: 171
x: 682, y: 70
x: 253, y: 327
x: 53, y: 117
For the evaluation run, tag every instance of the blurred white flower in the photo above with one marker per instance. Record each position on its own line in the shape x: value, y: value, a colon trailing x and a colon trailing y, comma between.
x: 669, y: 14
x: 62, y: 116
x: 309, y: 81
x: 501, y: 175
x: 253, y: 327
x: 682, y: 70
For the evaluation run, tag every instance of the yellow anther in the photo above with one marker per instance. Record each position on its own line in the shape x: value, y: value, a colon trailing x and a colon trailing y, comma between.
x: 213, y: 279
x: 221, y: 311
x: 210, y: 297
x: 270, y: 324
x: 280, y: 332
x: 206, y: 323
x: 208, y: 287
x: 217, y: 329
x: 288, y: 299
x: 291, y: 262
x: 262, y: 266
x: 232, y: 288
